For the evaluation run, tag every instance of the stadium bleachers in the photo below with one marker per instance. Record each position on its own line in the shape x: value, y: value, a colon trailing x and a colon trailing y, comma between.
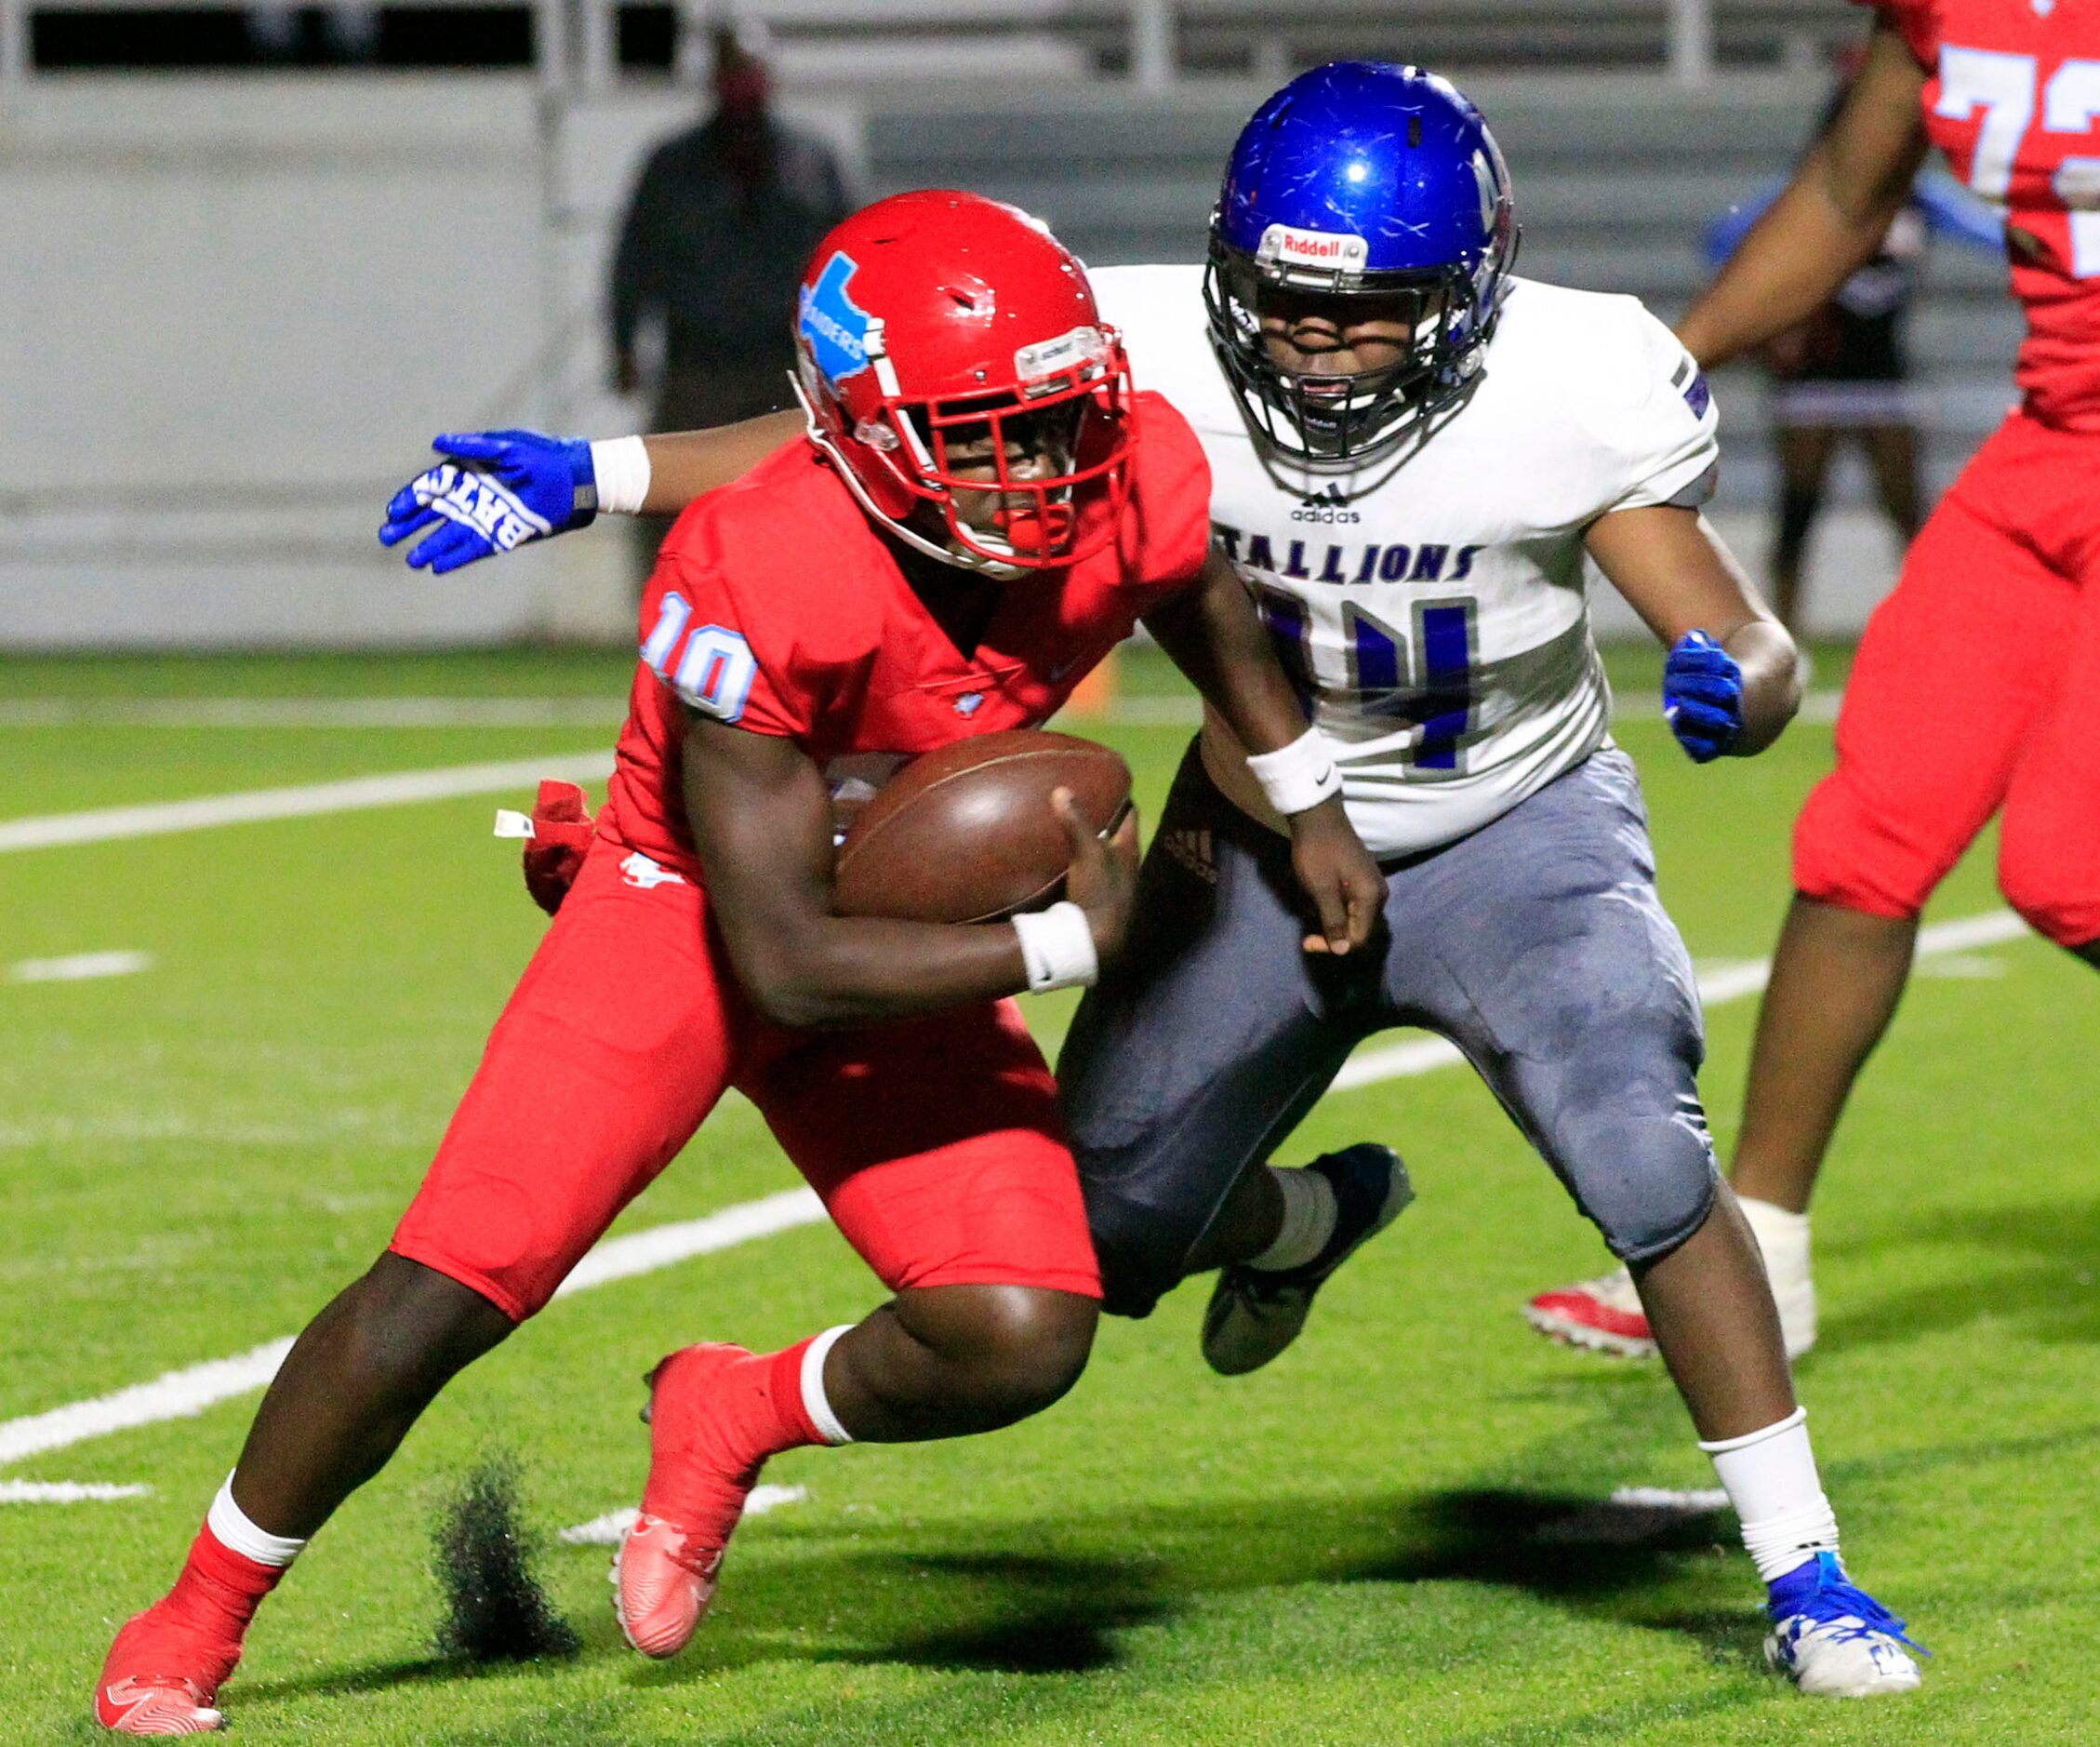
x: 1619, y: 167
x: 1616, y: 177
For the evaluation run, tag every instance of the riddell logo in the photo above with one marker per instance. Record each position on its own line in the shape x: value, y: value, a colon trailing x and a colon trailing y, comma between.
x: 1283, y: 245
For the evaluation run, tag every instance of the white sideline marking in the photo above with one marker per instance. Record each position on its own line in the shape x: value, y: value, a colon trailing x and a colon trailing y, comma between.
x: 103, y: 825
x: 312, y: 712
x: 65, y: 1491
x: 611, y: 1528
x: 80, y: 967
x: 178, y: 1394
x: 1719, y: 985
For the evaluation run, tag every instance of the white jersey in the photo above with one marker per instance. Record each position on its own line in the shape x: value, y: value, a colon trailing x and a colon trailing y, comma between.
x: 1431, y: 606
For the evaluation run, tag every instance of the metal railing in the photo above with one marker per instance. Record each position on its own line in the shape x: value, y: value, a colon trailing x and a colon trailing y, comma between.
x: 576, y: 41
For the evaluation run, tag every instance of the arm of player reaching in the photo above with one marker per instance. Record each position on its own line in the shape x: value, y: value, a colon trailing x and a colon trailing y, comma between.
x: 688, y: 464
x: 497, y: 490
x: 761, y: 817
x: 1733, y: 679
x: 1830, y: 218
x: 1214, y: 635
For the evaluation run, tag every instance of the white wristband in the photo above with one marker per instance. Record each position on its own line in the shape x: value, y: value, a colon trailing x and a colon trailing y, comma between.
x: 1298, y: 776
x: 622, y: 467
x: 1057, y: 947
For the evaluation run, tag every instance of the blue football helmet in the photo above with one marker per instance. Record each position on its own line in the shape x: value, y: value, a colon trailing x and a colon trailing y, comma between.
x: 1368, y: 182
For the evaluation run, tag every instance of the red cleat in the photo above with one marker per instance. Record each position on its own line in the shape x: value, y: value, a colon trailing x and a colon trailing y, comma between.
x: 1603, y: 1314
x: 664, y: 1573
x: 162, y: 1676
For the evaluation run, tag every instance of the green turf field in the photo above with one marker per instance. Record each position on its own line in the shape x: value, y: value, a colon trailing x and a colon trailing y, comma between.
x: 1378, y: 1540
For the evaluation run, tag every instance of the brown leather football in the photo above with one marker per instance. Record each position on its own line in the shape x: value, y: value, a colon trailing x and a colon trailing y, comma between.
x: 967, y: 833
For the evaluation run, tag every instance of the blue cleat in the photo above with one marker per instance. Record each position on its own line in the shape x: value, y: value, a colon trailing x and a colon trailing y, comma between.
x: 1254, y: 1315
x: 1833, y: 1639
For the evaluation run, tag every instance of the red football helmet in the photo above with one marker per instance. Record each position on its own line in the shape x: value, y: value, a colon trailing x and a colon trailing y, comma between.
x: 935, y: 315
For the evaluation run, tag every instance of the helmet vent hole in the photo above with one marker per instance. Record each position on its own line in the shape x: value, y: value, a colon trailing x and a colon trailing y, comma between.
x: 1413, y: 131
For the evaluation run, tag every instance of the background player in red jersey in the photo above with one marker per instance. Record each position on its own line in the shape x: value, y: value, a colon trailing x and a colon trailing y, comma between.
x: 983, y: 509
x: 1977, y: 686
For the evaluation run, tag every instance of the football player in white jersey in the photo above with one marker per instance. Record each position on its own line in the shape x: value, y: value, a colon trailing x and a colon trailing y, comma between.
x: 1415, y: 456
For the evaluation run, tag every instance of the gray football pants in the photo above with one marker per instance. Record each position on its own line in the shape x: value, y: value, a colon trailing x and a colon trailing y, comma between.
x: 1537, y: 945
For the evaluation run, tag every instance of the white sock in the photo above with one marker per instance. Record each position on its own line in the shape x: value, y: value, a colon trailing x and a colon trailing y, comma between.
x: 1308, y: 1219
x: 1770, y: 1477
x: 815, y: 1402
x: 234, y: 1530
x: 1782, y: 1237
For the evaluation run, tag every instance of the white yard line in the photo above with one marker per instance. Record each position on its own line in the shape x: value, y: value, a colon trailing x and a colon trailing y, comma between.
x: 1162, y: 709
x: 645, y: 1252
x: 401, y: 788
x: 79, y: 967
x: 1718, y: 984
x: 180, y: 1393
x: 174, y: 1395
x: 66, y: 1492
x: 106, y: 824
x: 611, y: 1528
x: 312, y: 712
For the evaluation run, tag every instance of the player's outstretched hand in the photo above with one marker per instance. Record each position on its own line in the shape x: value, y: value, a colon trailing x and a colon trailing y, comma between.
x: 1102, y: 878
x: 1703, y: 697
x: 494, y: 491
x: 1336, y: 872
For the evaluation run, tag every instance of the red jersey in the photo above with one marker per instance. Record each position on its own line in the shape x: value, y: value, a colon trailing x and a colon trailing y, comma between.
x: 2012, y: 93
x: 777, y: 607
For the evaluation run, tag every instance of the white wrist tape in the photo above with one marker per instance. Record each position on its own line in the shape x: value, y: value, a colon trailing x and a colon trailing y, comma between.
x: 622, y: 466
x: 1057, y: 947
x: 1298, y: 776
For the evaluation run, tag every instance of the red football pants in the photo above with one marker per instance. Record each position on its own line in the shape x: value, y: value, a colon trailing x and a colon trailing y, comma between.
x: 936, y: 1143
x: 1977, y: 686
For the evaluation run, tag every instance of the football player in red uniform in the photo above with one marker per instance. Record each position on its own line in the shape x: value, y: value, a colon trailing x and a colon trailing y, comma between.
x: 982, y: 508
x: 1976, y: 690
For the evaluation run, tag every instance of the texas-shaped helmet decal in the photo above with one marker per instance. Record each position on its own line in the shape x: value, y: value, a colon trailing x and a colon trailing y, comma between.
x: 835, y: 326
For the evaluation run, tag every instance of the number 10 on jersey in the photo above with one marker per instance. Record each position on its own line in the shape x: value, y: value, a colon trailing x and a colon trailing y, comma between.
x: 1354, y: 661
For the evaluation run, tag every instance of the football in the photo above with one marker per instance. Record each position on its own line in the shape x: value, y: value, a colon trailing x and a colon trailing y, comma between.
x: 967, y: 833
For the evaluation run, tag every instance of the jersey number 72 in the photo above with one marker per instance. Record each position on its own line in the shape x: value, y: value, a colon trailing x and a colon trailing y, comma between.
x: 2005, y: 87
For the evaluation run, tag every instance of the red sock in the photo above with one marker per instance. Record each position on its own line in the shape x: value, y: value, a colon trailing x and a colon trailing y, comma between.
x: 219, y: 1589
x: 719, y: 1416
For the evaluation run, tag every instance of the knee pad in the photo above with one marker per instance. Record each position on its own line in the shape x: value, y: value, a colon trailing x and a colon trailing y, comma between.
x: 1845, y: 855
x: 1653, y: 1184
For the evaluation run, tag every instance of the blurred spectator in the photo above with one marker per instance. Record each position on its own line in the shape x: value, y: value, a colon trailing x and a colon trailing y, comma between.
x: 722, y: 223
x: 1844, y: 374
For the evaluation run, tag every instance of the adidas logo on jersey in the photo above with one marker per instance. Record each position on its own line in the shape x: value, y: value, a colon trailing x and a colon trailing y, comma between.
x: 1192, y: 849
x: 1325, y: 506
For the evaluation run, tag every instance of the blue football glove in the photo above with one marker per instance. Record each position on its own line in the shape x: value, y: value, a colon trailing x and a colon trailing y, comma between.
x: 495, y: 491
x: 1703, y: 697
